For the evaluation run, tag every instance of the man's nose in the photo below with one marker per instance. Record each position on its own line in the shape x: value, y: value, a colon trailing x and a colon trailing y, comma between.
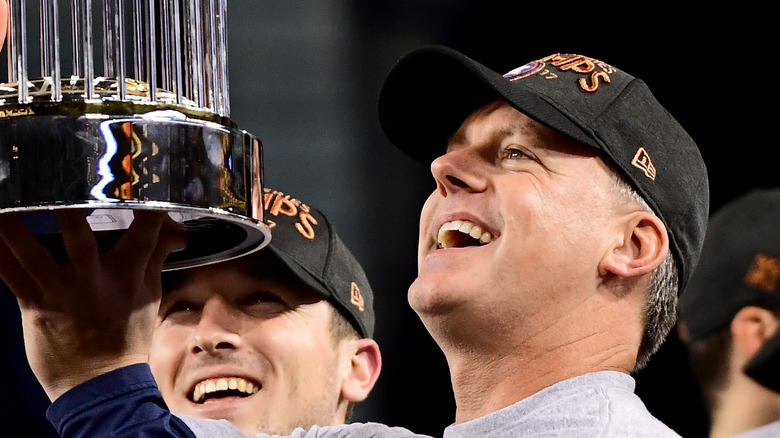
x: 458, y: 170
x: 217, y: 329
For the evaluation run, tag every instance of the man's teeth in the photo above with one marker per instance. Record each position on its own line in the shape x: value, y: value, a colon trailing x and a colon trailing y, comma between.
x: 449, y: 240
x: 209, y: 386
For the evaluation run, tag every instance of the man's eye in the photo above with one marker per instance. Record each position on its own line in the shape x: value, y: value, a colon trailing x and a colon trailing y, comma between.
x: 264, y: 297
x: 514, y: 153
x: 264, y: 303
x: 179, y: 307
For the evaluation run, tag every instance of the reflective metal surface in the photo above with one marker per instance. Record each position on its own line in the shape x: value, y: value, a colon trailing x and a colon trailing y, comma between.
x: 205, y: 174
x: 144, y: 126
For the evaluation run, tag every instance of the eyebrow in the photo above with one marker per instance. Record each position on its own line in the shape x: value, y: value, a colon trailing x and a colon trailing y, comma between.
x: 459, y: 137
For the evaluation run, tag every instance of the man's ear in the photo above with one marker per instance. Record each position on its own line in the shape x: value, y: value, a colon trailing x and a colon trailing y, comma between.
x: 640, y: 246
x: 750, y: 329
x: 364, y: 368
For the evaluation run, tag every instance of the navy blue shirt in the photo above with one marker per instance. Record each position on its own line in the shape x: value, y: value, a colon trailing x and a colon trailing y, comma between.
x: 126, y: 403
x: 122, y: 403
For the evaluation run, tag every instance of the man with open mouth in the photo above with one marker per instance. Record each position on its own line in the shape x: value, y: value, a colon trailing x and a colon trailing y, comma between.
x: 266, y: 343
x: 569, y: 211
x: 272, y: 341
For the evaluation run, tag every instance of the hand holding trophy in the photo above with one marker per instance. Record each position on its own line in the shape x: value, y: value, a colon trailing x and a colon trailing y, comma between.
x: 108, y: 179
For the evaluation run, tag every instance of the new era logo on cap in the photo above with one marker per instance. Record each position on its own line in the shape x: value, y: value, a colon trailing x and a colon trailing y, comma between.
x: 356, y: 298
x: 642, y: 162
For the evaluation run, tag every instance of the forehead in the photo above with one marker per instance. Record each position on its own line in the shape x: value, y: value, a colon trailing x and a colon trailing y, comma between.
x: 498, y: 120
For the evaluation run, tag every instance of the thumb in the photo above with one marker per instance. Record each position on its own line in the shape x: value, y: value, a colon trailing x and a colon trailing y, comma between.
x: 172, y: 238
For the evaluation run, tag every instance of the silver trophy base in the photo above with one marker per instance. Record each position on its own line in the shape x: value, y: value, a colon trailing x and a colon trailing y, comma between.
x: 206, y: 175
x: 212, y: 236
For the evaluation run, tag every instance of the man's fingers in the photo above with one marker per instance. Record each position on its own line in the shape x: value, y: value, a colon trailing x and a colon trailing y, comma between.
x: 173, y: 237
x: 25, y: 264
x: 141, y: 236
x: 16, y: 278
x: 142, y: 240
x: 79, y: 240
x: 30, y: 254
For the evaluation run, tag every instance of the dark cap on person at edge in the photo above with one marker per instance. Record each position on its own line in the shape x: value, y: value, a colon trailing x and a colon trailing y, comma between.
x: 739, y: 267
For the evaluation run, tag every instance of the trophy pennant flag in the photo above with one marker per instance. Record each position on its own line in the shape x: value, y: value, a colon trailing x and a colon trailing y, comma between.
x: 112, y: 106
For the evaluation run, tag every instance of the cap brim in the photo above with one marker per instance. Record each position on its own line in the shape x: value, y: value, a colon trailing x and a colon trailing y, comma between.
x: 315, y: 284
x: 431, y: 91
x: 305, y: 276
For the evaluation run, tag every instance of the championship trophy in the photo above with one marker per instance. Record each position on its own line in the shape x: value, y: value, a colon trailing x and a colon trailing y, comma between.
x: 144, y: 125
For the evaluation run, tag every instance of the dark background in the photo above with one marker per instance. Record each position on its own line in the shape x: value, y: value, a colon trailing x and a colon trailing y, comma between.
x: 304, y: 76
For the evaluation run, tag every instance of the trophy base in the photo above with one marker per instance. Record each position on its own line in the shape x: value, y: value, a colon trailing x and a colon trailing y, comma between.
x: 204, y: 175
x: 211, y: 236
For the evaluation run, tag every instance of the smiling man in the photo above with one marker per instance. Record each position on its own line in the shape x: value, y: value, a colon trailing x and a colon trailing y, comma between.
x: 569, y: 211
x: 269, y: 342
x: 236, y: 340
x: 276, y: 342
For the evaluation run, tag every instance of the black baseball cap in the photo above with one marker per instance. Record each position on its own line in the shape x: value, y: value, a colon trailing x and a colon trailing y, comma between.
x: 739, y: 266
x: 305, y: 240
x: 431, y: 91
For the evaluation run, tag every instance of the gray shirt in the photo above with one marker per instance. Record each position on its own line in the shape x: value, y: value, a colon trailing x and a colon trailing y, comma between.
x: 600, y: 404
x: 203, y: 428
x: 771, y: 430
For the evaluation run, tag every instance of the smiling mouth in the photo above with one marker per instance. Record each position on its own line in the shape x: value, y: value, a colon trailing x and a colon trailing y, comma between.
x: 462, y: 233
x: 223, y: 387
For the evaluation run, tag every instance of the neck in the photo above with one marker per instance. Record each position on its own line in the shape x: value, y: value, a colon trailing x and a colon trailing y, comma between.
x: 485, y: 382
x: 746, y: 405
x: 499, y: 355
